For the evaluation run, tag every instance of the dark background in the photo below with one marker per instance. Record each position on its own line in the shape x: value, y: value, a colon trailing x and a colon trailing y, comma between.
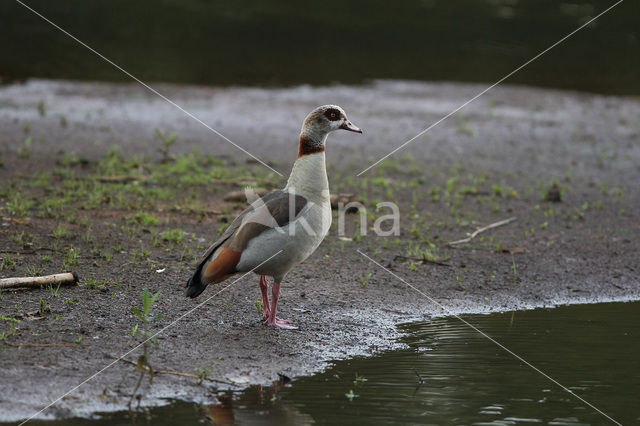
x: 283, y: 43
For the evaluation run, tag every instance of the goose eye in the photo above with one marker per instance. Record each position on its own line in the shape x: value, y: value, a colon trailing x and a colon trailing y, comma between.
x: 332, y: 114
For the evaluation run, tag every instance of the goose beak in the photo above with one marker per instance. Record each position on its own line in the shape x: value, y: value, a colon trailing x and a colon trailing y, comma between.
x: 347, y: 125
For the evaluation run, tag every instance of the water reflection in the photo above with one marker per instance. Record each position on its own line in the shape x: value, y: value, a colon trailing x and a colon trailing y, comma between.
x: 258, y: 405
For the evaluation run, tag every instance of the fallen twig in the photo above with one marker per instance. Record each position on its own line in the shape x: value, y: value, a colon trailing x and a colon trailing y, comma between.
x: 31, y: 316
x: 239, y: 181
x: 122, y: 179
x: 26, y: 252
x: 178, y: 373
x: 56, y: 279
x: 481, y: 230
x: 173, y: 373
x: 421, y: 260
x: 188, y: 210
x: 241, y: 196
x: 16, y: 220
x: 45, y: 345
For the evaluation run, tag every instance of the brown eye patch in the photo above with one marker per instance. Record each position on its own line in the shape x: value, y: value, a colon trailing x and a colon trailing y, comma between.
x: 332, y: 114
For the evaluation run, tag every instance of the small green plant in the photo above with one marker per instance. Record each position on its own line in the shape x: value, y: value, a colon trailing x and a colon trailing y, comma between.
x: 17, y: 205
x: 554, y: 193
x: 203, y: 375
x: 168, y: 139
x: 463, y: 126
x: 173, y: 235
x: 42, y: 108
x: 54, y: 292
x: 87, y: 237
x: 32, y: 271
x: 365, y: 279
x: 144, y: 219
x: 25, y: 150
x: 451, y: 184
x: 148, y: 338
x: 7, y: 263
x: 8, y: 319
x: 73, y: 256
x: 93, y: 283
x: 514, y: 267
x: 44, y: 307
x: 351, y: 395
x: 359, y: 379
x: 60, y: 232
x: 204, y: 372
x: 23, y: 238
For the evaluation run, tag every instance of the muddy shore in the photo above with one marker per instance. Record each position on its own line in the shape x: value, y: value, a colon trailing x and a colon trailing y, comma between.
x: 497, y: 159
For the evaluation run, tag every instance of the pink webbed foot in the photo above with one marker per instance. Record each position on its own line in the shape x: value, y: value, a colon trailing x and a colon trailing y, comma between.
x: 280, y: 323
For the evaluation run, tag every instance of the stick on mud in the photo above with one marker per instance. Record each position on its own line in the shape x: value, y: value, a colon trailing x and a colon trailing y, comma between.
x: 481, y: 230
x: 28, y: 282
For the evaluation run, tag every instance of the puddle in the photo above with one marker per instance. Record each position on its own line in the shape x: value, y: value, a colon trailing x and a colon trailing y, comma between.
x: 451, y: 374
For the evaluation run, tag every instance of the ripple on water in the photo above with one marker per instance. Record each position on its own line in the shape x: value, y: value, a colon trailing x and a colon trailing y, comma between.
x: 462, y: 379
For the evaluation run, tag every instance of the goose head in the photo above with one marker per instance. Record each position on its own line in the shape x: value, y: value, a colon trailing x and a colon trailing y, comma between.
x: 318, y: 124
x: 326, y: 119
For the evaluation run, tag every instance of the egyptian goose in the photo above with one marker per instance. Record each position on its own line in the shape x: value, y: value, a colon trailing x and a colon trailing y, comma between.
x: 284, y: 227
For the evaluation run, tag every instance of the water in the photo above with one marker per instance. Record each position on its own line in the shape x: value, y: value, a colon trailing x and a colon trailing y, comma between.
x: 452, y: 375
x: 290, y: 42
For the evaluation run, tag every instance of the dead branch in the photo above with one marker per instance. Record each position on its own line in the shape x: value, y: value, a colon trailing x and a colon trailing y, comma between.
x: 174, y: 373
x: 27, y: 252
x: 29, y: 282
x: 16, y: 220
x: 238, y: 181
x: 241, y: 196
x: 421, y: 260
x: 122, y: 179
x: 45, y: 345
x: 481, y: 230
x: 177, y: 373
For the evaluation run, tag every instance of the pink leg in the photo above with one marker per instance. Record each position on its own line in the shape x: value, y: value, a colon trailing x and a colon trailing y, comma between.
x: 273, y: 320
x: 264, y: 288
